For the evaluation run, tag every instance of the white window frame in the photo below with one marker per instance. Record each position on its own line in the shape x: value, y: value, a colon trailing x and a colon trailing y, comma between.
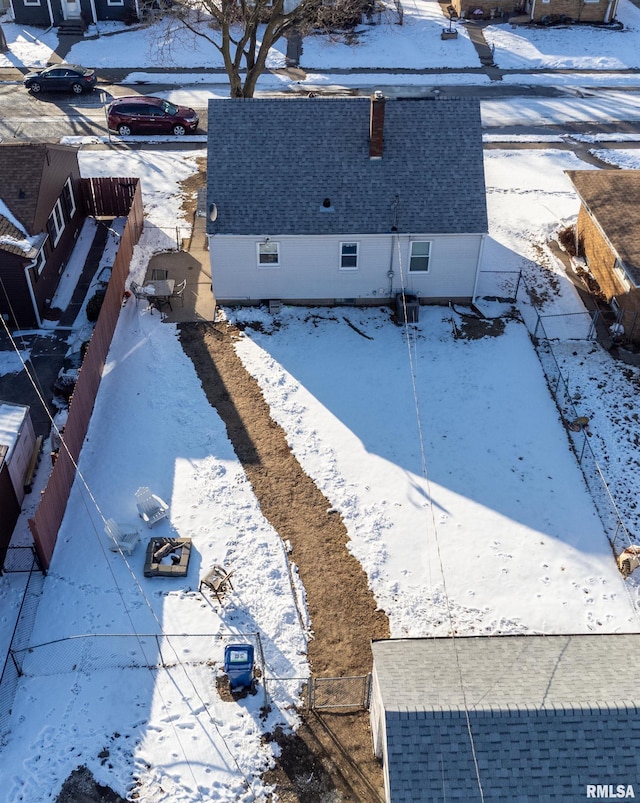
x: 69, y: 185
x: 31, y: 2
x: 115, y: 2
x: 265, y: 249
x: 39, y: 262
x: 420, y: 256
x: 349, y: 256
x: 57, y: 216
x: 621, y: 275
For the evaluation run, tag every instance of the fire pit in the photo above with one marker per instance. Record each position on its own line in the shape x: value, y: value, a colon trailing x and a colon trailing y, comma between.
x: 167, y: 557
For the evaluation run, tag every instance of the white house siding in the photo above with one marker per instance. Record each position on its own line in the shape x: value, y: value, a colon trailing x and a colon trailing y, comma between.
x: 452, y: 266
x: 378, y: 729
x: 310, y: 268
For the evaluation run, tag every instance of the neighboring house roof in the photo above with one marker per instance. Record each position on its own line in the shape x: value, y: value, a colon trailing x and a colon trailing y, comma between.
x: 22, y: 166
x: 273, y: 162
x: 548, y: 715
x: 12, y: 419
x: 612, y: 197
x: 14, y: 239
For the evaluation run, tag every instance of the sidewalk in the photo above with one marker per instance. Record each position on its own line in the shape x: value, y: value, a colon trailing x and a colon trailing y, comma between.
x: 485, y: 68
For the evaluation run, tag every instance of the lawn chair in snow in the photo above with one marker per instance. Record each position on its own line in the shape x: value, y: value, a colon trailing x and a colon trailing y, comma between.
x: 150, y: 507
x: 138, y: 292
x: 123, y: 537
x: 629, y: 560
x: 218, y: 580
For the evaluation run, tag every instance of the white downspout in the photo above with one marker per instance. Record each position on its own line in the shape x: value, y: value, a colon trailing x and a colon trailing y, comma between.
x: 95, y: 14
x: 533, y: 10
x: 33, y: 297
x: 607, y: 16
x: 475, y: 284
x: 51, y: 20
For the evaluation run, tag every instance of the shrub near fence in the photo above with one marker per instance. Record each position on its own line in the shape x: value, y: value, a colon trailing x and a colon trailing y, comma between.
x: 113, y: 197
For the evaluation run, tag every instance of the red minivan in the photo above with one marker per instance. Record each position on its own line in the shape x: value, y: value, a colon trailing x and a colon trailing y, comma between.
x: 146, y: 115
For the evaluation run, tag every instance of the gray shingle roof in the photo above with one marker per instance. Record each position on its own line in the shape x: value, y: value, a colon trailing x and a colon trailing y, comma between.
x: 613, y: 198
x: 548, y: 715
x: 272, y: 162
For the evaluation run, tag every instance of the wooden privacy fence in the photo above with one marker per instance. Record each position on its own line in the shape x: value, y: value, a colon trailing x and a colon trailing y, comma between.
x: 112, y: 197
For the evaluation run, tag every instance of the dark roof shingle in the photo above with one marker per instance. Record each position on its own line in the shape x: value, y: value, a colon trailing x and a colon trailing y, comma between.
x: 273, y: 162
x: 547, y: 715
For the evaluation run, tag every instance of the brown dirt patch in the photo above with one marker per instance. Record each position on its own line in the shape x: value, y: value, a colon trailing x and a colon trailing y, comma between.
x: 335, y: 748
x: 190, y: 187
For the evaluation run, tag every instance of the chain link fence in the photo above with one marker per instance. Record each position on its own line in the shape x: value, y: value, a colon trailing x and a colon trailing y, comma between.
x: 19, y: 640
x: 349, y: 692
x: 321, y: 693
x: 511, y: 287
x: 19, y: 559
x: 543, y: 330
x: 92, y: 652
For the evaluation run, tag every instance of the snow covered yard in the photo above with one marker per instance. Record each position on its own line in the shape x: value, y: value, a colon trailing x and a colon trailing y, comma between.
x: 469, y: 484
x: 564, y: 47
x: 445, y: 456
x: 416, y: 44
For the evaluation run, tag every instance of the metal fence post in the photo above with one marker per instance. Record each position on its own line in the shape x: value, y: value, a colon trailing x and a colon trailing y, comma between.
x: 367, y: 690
x: 15, y: 663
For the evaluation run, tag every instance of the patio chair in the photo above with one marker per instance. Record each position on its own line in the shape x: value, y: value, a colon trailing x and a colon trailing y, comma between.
x: 151, y: 508
x: 138, y: 292
x: 159, y: 273
x: 178, y: 291
x: 217, y: 580
x: 123, y: 537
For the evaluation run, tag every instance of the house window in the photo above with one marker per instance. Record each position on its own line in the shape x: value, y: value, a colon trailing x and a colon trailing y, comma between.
x: 348, y: 256
x: 55, y: 224
x: 38, y: 263
x: 269, y: 254
x: 69, y: 199
x: 31, y: 2
x: 420, y: 255
x: 621, y: 275
x: 115, y: 2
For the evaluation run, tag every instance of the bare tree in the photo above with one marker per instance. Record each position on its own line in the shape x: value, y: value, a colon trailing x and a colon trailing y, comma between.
x: 244, y: 31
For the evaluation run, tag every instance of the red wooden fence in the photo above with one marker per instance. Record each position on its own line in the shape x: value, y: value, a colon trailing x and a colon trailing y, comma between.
x: 112, y: 197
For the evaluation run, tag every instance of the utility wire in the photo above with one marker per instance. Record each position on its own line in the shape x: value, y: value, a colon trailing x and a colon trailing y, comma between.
x: 425, y: 473
x: 93, y: 499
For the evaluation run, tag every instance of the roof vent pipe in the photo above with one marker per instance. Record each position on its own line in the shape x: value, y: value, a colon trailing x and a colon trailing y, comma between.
x: 376, y: 125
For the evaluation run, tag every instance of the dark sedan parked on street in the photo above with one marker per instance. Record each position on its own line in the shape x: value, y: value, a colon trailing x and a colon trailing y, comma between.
x: 147, y: 115
x: 61, y: 78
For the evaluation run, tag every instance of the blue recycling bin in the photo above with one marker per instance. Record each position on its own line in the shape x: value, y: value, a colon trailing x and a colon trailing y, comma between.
x: 238, y: 665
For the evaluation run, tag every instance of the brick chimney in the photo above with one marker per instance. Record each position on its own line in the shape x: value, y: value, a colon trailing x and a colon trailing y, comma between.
x: 376, y: 125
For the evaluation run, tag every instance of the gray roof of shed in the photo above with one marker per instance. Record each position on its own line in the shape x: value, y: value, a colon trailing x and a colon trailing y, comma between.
x: 548, y: 715
x: 272, y: 162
